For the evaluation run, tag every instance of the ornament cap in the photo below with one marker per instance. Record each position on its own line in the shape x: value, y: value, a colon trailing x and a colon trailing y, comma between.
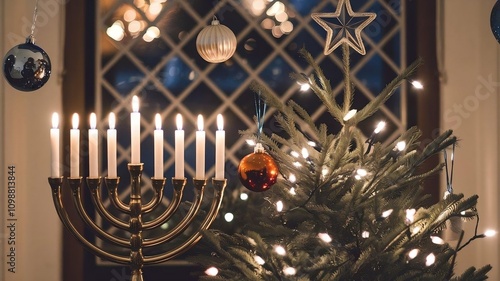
x: 259, y: 148
x: 30, y: 39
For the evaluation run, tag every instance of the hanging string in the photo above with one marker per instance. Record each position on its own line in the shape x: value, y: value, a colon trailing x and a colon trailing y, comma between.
x: 449, y: 175
x: 260, y: 112
x: 31, y: 38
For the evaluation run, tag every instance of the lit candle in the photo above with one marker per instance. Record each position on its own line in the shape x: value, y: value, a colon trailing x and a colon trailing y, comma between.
x: 112, y: 147
x: 93, y: 144
x: 200, y: 150
x: 135, y: 132
x: 158, y: 148
x: 219, y: 148
x: 75, y: 148
x: 54, y: 141
x: 179, y: 149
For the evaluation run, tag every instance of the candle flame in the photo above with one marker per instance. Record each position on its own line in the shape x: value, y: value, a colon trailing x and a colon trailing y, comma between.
x: 112, y: 121
x: 135, y: 104
x: 200, y: 122
x: 158, y: 121
x: 93, y: 120
x: 179, y: 121
x: 220, y: 122
x: 75, y: 121
x: 55, y: 120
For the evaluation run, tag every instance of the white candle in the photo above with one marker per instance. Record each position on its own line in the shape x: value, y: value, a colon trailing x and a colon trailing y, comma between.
x: 135, y: 132
x: 112, y: 147
x: 200, y: 150
x: 75, y: 148
x: 219, y: 148
x: 158, y: 148
x: 179, y: 149
x: 93, y: 146
x: 54, y: 142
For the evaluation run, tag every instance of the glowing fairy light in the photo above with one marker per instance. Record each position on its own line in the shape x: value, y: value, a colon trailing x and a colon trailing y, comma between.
x: 212, y: 271
x: 297, y: 164
x: 325, y: 237
x: 289, y: 271
x: 430, y: 259
x: 437, y: 240
x: 410, y: 215
x: 280, y: 250
x: 305, y: 153
x: 380, y: 127
x: 387, y: 213
x: 365, y: 234
x: 292, y: 191
x: 229, y: 217
x: 400, y: 146
x: 416, y: 229
x: 295, y: 154
x: 490, y: 233
x: 304, y: 87
x: 350, y: 114
x: 259, y: 260
x: 361, y: 172
x: 244, y: 196
x: 413, y: 253
x: 292, y: 178
x: 417, y: 84
x: 311, y: 144
x: 251, y: 142
x: 279, y: 206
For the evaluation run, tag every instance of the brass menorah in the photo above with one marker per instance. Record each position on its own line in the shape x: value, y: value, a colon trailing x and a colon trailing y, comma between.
x: 135, y: 209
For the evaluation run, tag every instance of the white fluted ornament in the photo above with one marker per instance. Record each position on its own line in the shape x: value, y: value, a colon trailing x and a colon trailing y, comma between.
x: 216, y: 43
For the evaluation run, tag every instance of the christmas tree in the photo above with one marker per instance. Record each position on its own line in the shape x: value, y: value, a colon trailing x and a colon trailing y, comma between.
x: 344, y: 207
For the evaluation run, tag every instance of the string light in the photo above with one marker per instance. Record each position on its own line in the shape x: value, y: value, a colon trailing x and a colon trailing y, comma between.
x: 410, y: 216
x: 430, y: 259
x: 325, y: 237
x: 305, y: 153
x: 244, y: 196
x: 401, y: 145
x: 251, y: 142
x: 490, y: 233
x: 416, y: 229
x: 212, y: 271
x: 437, y: 240
x: 311, y: 144
x: 360, y: 173
x: 289, y: 271
x: 365, y: 234
x: 292, y: 178
x: 292, y: 191
x: 279, y: 206
x: 297, y: 164
x: 295, y: 154
x: 380, y: 127
x: 304, y: 87
x: 259, y: 260
x: 324, y: 172
x: 280, y: 250
x: 350, y: 114
x: 417, y: 85
x: 229, y: 217
x: 413, y: 253
x: 387, y: 213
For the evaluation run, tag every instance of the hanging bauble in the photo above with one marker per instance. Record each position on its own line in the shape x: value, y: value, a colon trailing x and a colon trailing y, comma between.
x: 258, y: 171
x: 216, y: 43
x: 495, y: 21
x: 26, y: 66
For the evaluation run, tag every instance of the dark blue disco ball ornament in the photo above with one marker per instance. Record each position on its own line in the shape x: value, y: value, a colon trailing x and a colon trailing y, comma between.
x: 26, y: 66
x: 495, y: 21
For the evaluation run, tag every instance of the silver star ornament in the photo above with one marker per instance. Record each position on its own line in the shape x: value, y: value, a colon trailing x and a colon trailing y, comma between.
x: 343, y: 26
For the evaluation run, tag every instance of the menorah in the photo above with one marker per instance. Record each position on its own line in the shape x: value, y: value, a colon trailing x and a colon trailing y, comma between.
x: 134, y: 239
x: 135, y: 209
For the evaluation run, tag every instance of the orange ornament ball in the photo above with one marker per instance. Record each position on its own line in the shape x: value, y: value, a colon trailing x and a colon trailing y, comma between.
x: 258, y: 171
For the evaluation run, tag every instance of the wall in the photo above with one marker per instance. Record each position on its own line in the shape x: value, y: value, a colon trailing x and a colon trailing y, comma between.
x: 25, y: 143
x: 470, y: 106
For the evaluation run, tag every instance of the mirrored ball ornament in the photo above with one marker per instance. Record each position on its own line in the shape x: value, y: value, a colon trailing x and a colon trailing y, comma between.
x: 495, y: 20
x: 258, y: 171
x: 27, y: 67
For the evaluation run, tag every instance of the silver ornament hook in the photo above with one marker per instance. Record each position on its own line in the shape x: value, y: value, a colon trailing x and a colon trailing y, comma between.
x: 31, y: 37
